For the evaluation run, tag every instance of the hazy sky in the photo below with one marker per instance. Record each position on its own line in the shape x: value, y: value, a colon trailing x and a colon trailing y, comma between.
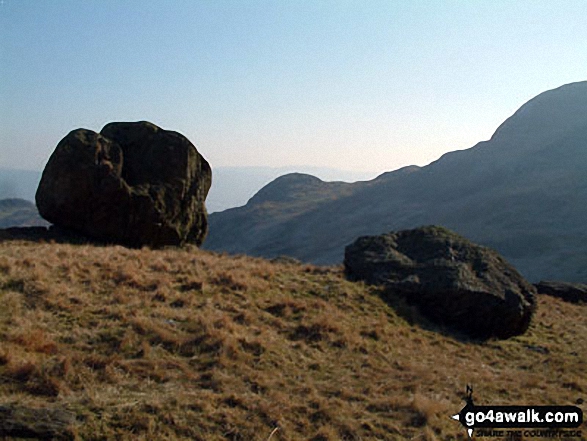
x: 357, y: 85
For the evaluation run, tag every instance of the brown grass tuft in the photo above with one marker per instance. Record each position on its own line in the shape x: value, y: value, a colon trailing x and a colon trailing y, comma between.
x: 184, y: 344
x: 35, y: 340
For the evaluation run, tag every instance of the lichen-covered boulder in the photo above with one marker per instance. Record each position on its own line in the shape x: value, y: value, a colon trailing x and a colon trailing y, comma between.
x: 133, y: 183
x: 452, y: 281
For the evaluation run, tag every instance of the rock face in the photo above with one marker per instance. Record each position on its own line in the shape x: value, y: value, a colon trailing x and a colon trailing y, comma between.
x: 133, y: 183
x: 569, y: 292
x: 452, y: 281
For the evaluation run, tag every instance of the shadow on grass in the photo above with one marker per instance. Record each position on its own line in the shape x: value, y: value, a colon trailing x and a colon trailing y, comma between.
x: 50, y: 234
x: 412, y: 314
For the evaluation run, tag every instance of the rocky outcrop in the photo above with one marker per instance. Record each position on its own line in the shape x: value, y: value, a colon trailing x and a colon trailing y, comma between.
x: 452, y: 281
x: 133, y: 183
x: 569, y: 292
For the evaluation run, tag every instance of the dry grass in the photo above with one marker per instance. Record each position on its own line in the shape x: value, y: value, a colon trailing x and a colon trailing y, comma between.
x: 185, y: 344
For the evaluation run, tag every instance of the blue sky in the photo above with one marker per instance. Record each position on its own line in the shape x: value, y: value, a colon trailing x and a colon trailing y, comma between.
x: 358, y: 85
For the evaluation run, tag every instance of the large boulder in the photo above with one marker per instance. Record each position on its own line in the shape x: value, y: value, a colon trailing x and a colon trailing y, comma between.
x: 133, y: 183
x: 452, y: 281
x: 569, y: 292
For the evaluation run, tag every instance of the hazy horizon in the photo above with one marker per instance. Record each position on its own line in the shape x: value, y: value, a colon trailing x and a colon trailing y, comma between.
x: 364, y: 87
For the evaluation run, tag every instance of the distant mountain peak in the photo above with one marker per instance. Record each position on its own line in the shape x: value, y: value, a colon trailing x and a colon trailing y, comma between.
x: 288, y: 187
x: 545, y: 116
x: 298, y: 178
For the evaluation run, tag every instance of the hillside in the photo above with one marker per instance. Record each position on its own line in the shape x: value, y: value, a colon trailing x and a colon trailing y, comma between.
x: 19, y: 213
x: 234, y: 186
x: 188, y: 344
x: 523, y: 192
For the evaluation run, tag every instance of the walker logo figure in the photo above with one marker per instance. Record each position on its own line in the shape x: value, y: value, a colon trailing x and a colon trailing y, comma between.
x: 552, y: 418
x: 469, y: 407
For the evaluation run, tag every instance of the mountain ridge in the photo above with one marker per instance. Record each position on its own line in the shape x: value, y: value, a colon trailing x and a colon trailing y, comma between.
x: 520, y: 193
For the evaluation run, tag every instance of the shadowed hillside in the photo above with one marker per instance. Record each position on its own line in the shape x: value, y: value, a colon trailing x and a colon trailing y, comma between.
x: 188, y: 344
x: 19, y: 213
x: 524, y: 193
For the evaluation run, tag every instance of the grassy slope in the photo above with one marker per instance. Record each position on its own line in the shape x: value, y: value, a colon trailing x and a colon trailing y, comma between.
x: 186, y: 344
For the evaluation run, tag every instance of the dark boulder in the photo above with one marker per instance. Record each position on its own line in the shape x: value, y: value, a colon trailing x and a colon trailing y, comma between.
x: 133, y: 183
x: 453, y: 281
x: 569, y: 292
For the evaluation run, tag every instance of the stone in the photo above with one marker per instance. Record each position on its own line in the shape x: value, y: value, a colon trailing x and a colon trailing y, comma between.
x: 133, y: 183
x: 569, y: 292
x: 451, y: 280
